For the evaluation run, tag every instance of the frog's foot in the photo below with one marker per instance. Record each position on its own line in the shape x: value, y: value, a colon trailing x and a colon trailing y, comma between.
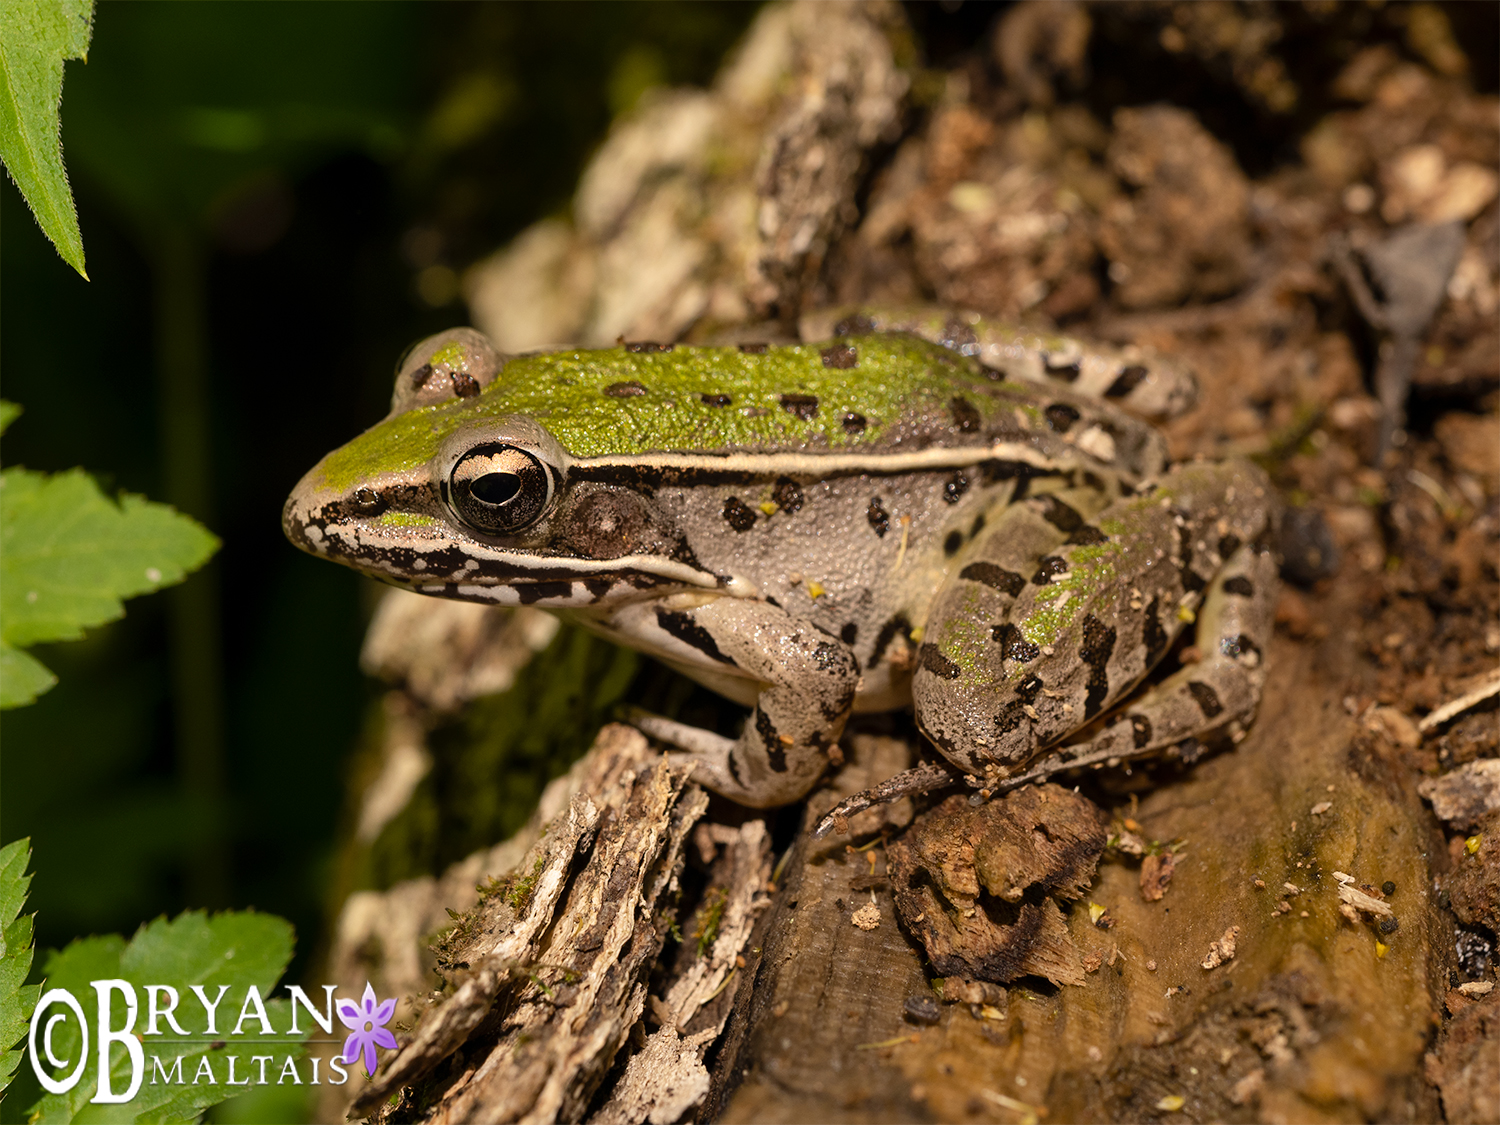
x: 1220, y: 689
x: 706, y: 752
x: 807, y: 683
x: 923, y: 778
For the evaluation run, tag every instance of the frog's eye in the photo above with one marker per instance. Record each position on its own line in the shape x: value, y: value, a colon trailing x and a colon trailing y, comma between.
x: 499, y: 489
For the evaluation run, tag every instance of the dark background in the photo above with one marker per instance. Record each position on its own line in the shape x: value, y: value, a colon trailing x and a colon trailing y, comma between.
x: 262, y: 187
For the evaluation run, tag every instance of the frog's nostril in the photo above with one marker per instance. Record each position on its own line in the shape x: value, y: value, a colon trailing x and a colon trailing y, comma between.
x: 495, y: 488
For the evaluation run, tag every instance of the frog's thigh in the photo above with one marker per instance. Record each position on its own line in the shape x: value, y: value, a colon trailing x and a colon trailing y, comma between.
x: 968, y: 637
x: 808, y: 682
x: 1232, y: 630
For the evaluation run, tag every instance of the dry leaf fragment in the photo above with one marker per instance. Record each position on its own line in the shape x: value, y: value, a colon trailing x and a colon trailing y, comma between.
x: 1156, y: 875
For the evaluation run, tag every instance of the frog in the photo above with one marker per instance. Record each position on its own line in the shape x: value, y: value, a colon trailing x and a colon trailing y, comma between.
x: 916, y: 508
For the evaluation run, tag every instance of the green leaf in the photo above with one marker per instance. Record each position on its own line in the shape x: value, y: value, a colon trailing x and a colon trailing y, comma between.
x: 236, y: 949
x: 22, y: 677
x: 69, y: 555
x: 9, y: 412
x: 36, y: 36
x: 16, y: 999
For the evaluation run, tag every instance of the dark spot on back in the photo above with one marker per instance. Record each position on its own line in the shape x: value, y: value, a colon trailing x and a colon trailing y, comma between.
x: 715, y: 400
x: 1013, y: 643
x: 1060, y: 416
x: 1098, y: 646
x: 1206, y: 698
x: 935, y: 662
x: 734, y: 767
x: 965, y: 416
x: 788, y: 496
x: 1126, y: 381
x: 738, y: 515
x: 856, y: 324
x: 977, y: 527
x: 628, y: 389
x: 753, y: 349
x: 840, y: 356
x: 1006, y: 581
x: 1060, y: 515
x: 803, y: 406
x: 957, y: 485
x: 849, y: 633
x: 879, y: 518
x: 464, y: 384
x: 854, y: 423
x: 1066, y: 372
x: 1051, y: 565
x: 1088, y: 536
x: 421, y: 375
x: 647, y: 346
x: 1228, y: 545
x: 952, y: 543
x: 1240, y: 585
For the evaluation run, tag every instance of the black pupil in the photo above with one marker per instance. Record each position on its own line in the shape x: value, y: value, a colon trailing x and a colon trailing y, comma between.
x: 495, y: 488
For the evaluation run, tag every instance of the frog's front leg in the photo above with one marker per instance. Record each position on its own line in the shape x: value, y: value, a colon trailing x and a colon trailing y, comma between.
x: 1222, y: 687
x: 802, y: 679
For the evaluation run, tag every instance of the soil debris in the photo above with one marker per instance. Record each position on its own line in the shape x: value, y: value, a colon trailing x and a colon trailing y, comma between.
x: 1222, y: 950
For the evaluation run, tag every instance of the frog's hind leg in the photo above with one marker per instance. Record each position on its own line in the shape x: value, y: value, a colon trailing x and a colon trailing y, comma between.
x: 805, y: 679
x: 1222, y: 688
x: 970, y: 640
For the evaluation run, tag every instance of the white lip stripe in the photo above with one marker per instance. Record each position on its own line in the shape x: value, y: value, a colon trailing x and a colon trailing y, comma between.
x: 578, y: 596
x: 571, y: 569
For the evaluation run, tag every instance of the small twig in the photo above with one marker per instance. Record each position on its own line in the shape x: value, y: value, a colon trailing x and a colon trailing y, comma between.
x: 1465, y: 702
x: 922, y: 778
x: 896, y: 1042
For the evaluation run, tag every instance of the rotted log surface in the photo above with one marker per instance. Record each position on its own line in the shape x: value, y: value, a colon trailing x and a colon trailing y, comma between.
x: 1314, y: 1017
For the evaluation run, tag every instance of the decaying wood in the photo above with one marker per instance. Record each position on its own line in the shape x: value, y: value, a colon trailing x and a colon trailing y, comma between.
x: 556, y: 962
x: 549, y: 973
x: 1310, y: 1019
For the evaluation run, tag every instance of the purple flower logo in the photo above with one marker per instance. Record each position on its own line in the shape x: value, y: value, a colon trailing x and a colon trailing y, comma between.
x: 366, y: 1022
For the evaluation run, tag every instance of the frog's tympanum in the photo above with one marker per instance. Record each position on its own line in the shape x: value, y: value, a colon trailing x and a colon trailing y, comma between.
x: 923, y: 510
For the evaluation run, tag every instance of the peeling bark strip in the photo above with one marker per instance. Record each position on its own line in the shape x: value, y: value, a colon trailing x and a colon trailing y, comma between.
x: 554, y: 991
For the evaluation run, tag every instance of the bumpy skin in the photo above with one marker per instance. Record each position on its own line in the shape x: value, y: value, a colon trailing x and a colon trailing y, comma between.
x: 1079, y: 609
x: 792, y: 526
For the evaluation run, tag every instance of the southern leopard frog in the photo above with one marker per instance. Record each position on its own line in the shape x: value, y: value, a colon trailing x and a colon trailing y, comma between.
x: 916, y: 509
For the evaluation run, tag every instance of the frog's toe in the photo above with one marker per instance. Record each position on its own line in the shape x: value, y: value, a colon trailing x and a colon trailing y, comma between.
x: 695, y: 740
